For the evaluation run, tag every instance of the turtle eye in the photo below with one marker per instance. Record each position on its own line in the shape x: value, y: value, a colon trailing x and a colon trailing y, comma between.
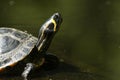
x: 56, y: 17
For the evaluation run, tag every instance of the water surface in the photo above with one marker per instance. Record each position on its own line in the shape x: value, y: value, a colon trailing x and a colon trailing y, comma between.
x: 88, y: 42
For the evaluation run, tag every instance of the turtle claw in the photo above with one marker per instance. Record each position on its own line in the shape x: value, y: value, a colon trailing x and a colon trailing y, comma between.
x: 28, y: 68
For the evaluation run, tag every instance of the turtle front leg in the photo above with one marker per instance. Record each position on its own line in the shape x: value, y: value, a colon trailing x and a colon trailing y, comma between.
x: 27, y: 69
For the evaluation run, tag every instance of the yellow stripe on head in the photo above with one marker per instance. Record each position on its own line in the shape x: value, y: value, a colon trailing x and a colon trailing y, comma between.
x: 53, y: 21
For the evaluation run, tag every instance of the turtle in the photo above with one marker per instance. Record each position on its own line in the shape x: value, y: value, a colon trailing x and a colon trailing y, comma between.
x: 18, y: 46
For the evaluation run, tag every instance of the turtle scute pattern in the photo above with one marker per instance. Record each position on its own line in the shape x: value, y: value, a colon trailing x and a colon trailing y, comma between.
x: 15, y: 45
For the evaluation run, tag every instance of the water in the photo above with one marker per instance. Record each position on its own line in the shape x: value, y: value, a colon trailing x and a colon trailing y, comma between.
x: 88, y: 42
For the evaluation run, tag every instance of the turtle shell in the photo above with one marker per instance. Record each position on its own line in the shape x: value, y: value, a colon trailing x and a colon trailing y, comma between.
x: 15, y: 45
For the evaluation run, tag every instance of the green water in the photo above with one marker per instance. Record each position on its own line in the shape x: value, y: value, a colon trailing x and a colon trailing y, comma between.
x: 88, y: 42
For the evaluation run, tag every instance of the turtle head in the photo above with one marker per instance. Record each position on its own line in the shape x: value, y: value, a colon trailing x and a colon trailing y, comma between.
x: 47, y: 32
x: 52, y: 24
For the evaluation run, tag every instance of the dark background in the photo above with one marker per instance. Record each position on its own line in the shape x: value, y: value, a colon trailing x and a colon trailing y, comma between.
x: 89, y: 37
